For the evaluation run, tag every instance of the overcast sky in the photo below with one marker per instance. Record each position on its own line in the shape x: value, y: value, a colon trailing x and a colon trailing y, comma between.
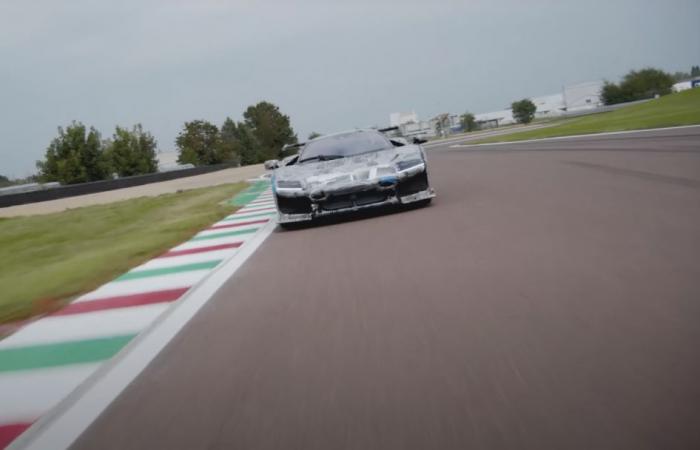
x: 329, y: 65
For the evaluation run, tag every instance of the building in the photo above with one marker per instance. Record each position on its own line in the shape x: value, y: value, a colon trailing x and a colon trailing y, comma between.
x: 399, y: 118
x: 582, y: 96
x: 686, y: 84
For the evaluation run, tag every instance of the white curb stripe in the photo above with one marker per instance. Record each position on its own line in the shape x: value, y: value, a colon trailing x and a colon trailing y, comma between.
x: 171, y: 261
x: 27, y: 394
x: 78, y: 327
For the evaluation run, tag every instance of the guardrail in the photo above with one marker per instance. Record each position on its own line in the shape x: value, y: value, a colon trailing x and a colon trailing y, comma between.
x: 73, y: 190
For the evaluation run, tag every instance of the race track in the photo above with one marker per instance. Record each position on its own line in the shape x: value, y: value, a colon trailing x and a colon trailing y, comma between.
x: 548, y: 298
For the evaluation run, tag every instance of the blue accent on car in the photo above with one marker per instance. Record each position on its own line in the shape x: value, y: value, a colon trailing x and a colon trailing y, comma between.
x: 389, y: 180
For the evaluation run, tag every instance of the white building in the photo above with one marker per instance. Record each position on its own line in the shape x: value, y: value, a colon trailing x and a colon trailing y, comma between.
x: 399, y: 118
x: 685, y: 85
x: 582, y: 96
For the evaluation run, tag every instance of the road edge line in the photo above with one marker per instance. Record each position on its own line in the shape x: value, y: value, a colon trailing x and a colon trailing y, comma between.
x: 573, y: 136
x: 63, y: 425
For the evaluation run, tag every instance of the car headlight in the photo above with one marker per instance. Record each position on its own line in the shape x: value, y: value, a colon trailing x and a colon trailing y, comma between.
x: 408, y: 164
x: 284, y: 184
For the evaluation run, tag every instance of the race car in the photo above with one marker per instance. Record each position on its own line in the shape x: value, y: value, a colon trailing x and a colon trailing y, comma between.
x: 347, y: 172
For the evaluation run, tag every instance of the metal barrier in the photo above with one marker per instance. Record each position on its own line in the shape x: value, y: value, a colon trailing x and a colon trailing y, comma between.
x: 73, y: 190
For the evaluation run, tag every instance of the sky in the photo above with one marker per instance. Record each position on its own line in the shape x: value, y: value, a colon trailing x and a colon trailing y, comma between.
x: 329, y: 65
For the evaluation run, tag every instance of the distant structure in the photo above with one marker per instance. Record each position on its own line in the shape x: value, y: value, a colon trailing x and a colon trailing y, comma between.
x: 686, y: 84
x: 573, y: 99
x: 582, y: 96
x: 400, y: 118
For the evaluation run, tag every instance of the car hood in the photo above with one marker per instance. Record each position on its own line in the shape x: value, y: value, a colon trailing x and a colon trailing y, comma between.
x: 355, y: 170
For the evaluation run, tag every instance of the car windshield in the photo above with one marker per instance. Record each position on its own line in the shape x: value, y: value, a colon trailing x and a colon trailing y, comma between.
x: 342, y: 145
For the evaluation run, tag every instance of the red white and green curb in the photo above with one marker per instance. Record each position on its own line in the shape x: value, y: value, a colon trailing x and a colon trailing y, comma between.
x: 48, y: 359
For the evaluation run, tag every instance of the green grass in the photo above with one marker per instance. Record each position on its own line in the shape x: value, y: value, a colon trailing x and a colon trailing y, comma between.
x: 49, y: 259
x: 682, y: 108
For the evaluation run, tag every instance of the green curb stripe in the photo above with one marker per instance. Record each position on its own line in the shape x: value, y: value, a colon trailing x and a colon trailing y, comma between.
x: 227, y: 234
x: 61, y: 354
x: 168, y: 270
x: 249, y: 216
x: 250, y: 194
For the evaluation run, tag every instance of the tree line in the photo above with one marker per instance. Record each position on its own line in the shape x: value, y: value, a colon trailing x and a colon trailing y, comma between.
x: 78, y: 154
x: 259, y: 137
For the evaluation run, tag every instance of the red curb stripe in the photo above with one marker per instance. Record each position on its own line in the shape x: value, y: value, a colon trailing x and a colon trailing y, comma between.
x: 239, y: 224
x: 11, y: 431
x: 122, y: 301
x: 191, y: 251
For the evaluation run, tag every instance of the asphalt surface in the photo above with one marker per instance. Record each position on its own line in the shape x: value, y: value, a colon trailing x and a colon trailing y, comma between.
x: 548, y: 298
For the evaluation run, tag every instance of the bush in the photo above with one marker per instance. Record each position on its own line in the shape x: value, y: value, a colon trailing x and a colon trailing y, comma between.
x: 523, y: 110
x: 638, y: 85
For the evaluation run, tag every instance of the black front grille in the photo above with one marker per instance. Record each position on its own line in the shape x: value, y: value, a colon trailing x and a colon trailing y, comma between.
x: 413, y: 185
x: 294, y: 205
x: 364, y: 198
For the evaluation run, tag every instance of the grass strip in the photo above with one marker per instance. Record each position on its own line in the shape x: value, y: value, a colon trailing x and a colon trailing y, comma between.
x: 672, y: 110
x: 49, y: 259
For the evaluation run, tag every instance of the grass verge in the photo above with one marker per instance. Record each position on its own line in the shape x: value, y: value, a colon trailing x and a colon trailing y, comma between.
x: 49, y: 259
x: 678, y: 109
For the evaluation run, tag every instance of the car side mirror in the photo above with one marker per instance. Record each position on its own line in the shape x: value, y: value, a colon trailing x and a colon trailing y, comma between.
x: 417, y: 140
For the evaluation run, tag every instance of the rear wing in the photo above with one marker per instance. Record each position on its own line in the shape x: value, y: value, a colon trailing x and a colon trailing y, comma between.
x: 288, y: 147
x: 386, y: 130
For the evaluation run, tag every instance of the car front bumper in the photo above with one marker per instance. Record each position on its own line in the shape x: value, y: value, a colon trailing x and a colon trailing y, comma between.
x: 318, y: 212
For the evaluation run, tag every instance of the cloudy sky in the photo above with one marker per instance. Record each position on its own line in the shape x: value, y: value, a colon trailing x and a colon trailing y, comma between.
x: 330, y: 65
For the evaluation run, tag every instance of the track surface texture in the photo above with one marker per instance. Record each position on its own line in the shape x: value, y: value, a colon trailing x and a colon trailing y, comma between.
x: 548, y: 298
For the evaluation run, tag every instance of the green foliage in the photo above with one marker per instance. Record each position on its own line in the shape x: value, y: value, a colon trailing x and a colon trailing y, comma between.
x: 199, y: 144
x: 695, y: 71
x: 4, y: 181
x: 75, y: 156
x: 523, y: 110
x: 468, y: 122
x: 251, y: 152
x: 270, y: 128
x: 638, y: 85
x: 314, y: 135
x: 230, y: 143
x: 132, y: 152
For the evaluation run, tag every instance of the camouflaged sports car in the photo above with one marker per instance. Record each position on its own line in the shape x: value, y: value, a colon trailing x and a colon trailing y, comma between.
x: 350, y: 171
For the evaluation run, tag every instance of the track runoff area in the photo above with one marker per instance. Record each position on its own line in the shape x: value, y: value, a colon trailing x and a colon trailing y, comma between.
x: 546, y: 299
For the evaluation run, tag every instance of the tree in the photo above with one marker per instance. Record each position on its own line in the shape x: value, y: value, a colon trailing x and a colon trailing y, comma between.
x: 468, y: 122
x: 4, y: 181
x: 270, y: 128
x: 314, y: 135
x: 75, y: 156
x: 612, y: 94
x: 638, y: 85
x: 230, y: 143
x: 695, y: 71
x: 251, y: 152
x: 523, y: 110
x: 199, y: 144
x: 132, y: 152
